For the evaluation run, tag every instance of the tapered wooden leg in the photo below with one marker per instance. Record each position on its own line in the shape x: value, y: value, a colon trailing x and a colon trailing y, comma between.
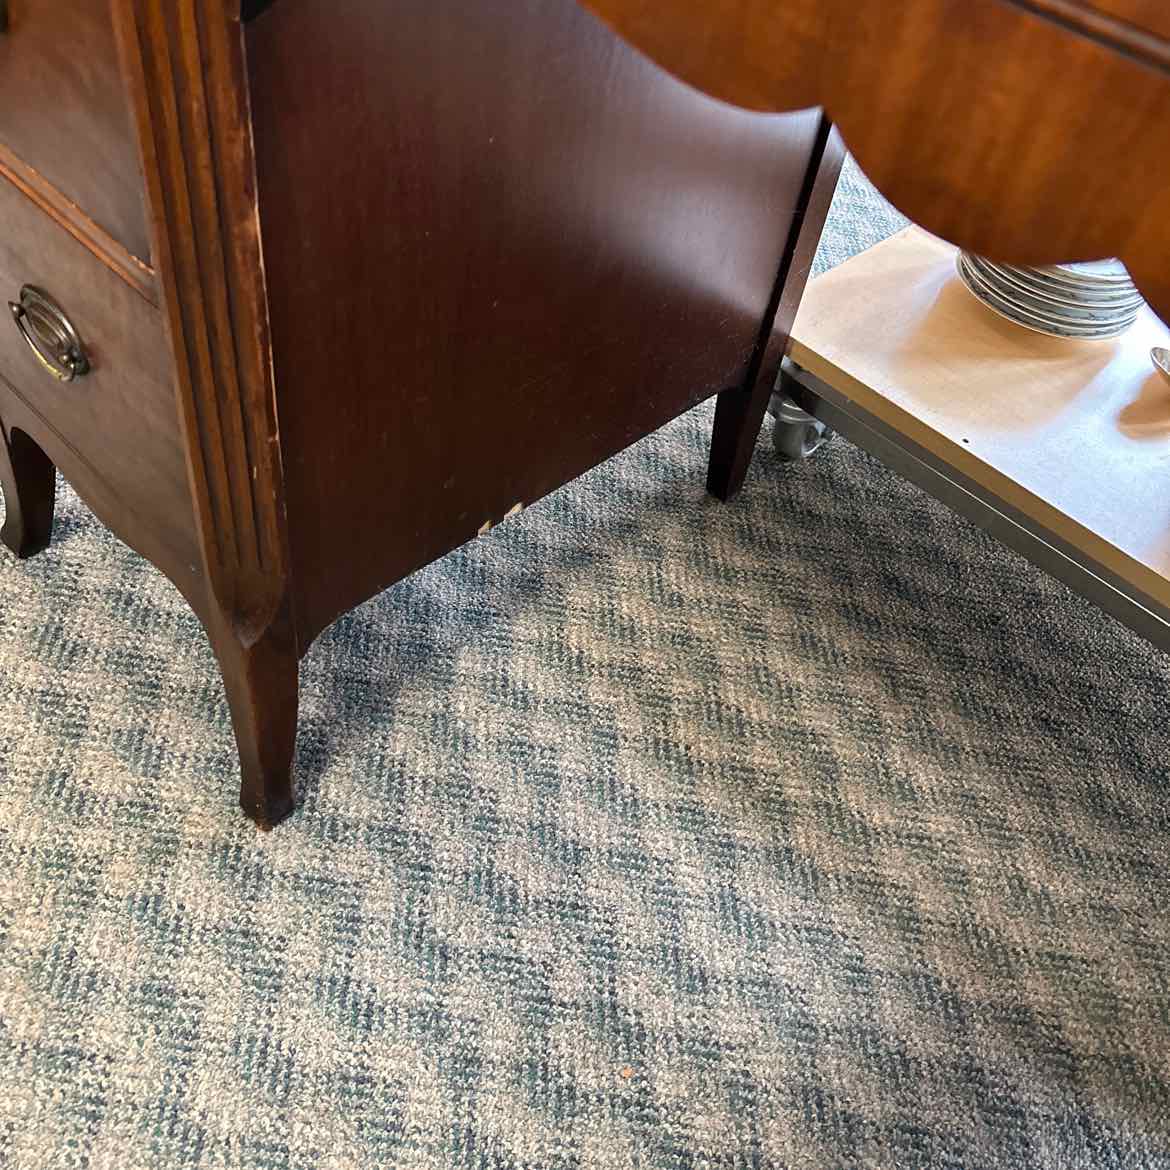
x: 29, y: 481
x: 261, y: 680
x: 739, y: 415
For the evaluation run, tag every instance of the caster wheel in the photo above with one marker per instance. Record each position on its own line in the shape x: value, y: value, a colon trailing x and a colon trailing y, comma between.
x: 796, y: 435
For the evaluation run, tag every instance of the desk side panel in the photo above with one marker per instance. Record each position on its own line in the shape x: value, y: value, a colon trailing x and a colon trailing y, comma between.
x: 501, y: 246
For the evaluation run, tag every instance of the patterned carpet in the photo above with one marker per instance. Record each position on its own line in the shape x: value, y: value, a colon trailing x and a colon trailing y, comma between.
x: 815, y: 831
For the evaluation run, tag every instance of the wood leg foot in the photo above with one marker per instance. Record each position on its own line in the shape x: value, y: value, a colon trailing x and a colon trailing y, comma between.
x: 261, y: 680
x: 29, y: 481
x: 739, y: 415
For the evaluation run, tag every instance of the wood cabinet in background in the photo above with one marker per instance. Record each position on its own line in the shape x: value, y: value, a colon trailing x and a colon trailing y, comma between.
x: 1029, y: 131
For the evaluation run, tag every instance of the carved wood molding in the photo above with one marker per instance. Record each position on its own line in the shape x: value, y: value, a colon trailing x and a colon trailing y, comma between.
x: 192, y: 106
x: 1031, y: 131
x: 70, y: 218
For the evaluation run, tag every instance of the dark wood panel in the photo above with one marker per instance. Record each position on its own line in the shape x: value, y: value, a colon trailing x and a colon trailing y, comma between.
x: 995, y: 124
x: 63, y: 111
x: 72, y: 219
x: 185, y: 67
x: 501, y: 246
x: 740, y: 411
x: 120, y: 421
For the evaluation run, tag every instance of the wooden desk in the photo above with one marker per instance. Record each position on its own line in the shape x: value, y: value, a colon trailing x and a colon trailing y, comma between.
x: 301, y: 339
x: 1030, y: 131
x: 335, y: 287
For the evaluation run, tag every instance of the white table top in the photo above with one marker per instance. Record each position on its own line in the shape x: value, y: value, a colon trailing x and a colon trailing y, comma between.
x: 1075, y: 434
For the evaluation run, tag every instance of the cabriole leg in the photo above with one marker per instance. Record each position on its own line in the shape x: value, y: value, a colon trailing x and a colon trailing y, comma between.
x: 29, y: 481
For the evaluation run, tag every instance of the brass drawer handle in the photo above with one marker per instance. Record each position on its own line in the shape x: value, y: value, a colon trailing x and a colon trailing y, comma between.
x: 49, y: 333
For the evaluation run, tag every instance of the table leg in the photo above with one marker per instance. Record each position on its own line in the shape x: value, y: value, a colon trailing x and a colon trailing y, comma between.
x: 261, y: 678
x: 29, y: 480
x: 739, y: 412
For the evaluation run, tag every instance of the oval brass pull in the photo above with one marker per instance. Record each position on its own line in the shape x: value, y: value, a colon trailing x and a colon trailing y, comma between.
x: 49, y: 334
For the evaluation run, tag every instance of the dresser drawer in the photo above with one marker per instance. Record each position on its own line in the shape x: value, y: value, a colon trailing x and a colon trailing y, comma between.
x: 64, y: 111
x: 117, y: 419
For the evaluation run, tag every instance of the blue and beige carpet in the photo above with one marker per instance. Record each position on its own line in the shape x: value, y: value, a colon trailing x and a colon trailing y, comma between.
x: 816, y: 831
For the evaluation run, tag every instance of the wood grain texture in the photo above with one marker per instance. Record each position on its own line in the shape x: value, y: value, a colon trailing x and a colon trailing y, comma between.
x: 504, y: 247
x: 121, y: 417
x: 1151, y: 16
x: 501, y: 247
x: 1020, y: 132
x: 63, y: 111
x: 76, y: 222
x: 191, y: 100
x: 190, y: 94
x: 1135, y: 37
x: 740, y: 411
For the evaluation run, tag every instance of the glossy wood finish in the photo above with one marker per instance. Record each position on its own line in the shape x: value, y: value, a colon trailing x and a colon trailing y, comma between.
x: 1030, y: 132
x: 739, y: 414
x: 29, y: 481
x: 510, y: 291
x: 191, y: 103
x: 64, y: 113
x: 260, y: 677
x: 190, y: 100
x: 545, y: 249
x: 487, y: 247
x: 1149, y: 16
x: 66, y: 214
x: 120, y: 419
